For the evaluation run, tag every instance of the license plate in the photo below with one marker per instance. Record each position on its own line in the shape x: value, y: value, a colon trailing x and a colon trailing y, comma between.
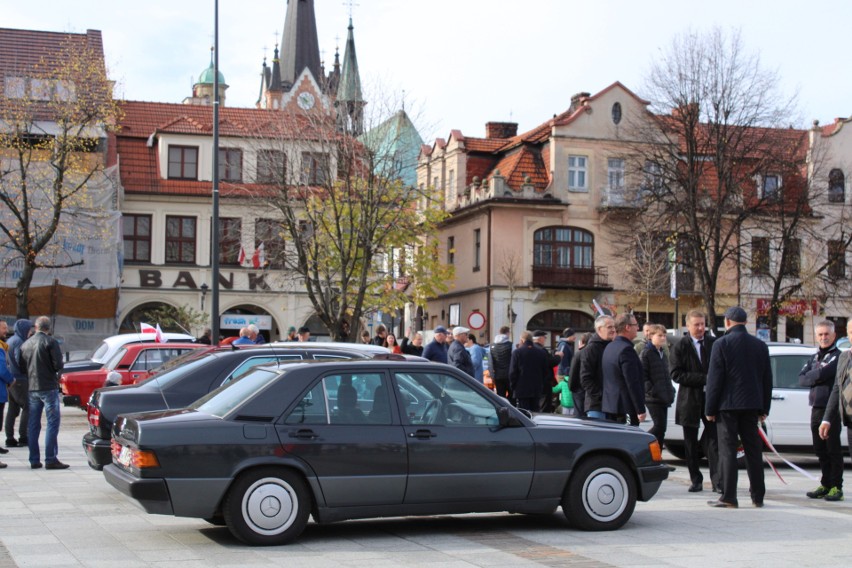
x: 124, y: 456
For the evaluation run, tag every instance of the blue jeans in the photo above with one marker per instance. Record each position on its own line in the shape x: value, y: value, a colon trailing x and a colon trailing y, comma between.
x: 47, y: 400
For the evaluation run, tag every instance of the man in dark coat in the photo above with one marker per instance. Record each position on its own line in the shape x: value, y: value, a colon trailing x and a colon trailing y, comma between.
x: 623, y: 384
x: 19, y: 398
x: 436, y: 350
x: 818, y: 374
x: 499, y: 357
x: 457, y: 355
x: 689, y: 362
x: 591, y: 371
x: 739, y: 394
x: 659, y: 390
x: 528, y: 373
x: 838, y: 410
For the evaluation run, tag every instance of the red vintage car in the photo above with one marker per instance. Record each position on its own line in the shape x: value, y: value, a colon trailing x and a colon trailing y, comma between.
x: 130, y: 364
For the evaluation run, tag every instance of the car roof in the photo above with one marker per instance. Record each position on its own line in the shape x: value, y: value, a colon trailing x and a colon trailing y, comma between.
x: 363, y: 347
x: 777, y: 348
x: 124, y: 338
x: 169, y: 345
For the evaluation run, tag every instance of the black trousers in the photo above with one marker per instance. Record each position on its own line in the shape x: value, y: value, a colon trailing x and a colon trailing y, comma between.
x: 530, y: 403
x: 19, y: 404
x: 693, y: 449
x: 659, y: 415
x: 829, y: 451
x: 735, y: 426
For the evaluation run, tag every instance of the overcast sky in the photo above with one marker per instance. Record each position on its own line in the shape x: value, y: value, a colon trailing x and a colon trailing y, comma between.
x: 461, y: 63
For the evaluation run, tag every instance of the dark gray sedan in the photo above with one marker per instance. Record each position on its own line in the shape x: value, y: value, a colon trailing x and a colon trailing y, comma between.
x: 360, y: 439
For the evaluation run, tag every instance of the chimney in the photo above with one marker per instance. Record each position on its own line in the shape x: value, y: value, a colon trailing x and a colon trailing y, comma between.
x: 578, y: 99
x: 501, y: 129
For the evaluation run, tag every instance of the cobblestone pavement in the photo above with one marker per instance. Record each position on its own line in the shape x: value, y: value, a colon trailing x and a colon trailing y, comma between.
x: 73, y: 518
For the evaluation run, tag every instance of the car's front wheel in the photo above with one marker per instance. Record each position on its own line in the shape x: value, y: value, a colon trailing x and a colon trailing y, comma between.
x: 600, y: 495
x: 267, y: 506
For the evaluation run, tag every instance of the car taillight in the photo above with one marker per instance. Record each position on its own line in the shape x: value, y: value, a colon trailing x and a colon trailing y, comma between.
x: 93, y: 413
x: 656, y: 451
x: 133, y: 457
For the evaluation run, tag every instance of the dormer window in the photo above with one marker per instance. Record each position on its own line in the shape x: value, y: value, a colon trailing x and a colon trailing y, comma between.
x: 770, y: 187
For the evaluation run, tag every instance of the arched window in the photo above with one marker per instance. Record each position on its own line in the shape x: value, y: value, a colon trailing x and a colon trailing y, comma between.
x: 836, y: 186
x: 564, y: 247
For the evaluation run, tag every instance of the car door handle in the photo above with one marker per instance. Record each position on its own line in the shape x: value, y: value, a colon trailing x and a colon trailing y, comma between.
x: 777, y: 397
x: 304, y: 434
x: 422, y: 434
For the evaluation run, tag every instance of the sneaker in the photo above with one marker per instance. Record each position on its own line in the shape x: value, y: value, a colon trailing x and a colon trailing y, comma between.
x: 56, y: 465
x: 836, y: 494
x: 818, y: 493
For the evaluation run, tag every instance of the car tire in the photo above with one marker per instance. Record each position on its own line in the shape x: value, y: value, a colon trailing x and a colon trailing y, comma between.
x: 217, y: 521
x: 601, y: 494
x: 677, y: 450
x: 267, y: 506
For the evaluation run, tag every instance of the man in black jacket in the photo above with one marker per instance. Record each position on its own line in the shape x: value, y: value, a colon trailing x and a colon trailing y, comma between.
x: 818, y: 375
x: 499, y: 357
x: 689, y: 362
x: 528, y: 373
x: 623, y: 389
x: 591, y: 370
x: 739, y: 394
x: 41, y: 360
x: 838, y: 410
x: 457, y: 355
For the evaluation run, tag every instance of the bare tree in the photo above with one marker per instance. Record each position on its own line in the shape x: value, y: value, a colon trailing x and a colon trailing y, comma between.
x: 55, y: 121
x: 648, y: 270
x: 714, y: 131
x: 355, y: 236
x: 510, y: 271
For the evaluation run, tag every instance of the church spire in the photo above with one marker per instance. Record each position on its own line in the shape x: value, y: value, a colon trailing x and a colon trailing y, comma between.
x: 299, y: 44
x: 350, y: 102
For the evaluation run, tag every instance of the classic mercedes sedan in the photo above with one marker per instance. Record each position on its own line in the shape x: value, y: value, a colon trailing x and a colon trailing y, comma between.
x: 366, y: 438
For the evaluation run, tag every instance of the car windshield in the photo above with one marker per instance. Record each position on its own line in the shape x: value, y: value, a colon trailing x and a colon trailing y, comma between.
x: 99, y: 353
x: 224, y: 399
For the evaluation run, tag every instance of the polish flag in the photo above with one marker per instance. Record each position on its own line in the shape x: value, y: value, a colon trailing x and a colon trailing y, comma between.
x: 145, y: 328
x: 258, y: 259
x: 242, y: 258
x: 159, y: 337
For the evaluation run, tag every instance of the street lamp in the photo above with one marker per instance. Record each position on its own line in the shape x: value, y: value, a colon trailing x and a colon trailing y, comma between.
x: 204, y: 289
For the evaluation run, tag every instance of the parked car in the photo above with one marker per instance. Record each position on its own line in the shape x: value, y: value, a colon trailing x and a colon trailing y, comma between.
x: 361, y: 439
x: 107, y: 348
x: 130, y: 364
x: 788, y: 425
x: 198, y: 374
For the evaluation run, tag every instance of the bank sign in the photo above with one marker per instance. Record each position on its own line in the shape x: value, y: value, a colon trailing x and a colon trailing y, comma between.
x: 240, y: 321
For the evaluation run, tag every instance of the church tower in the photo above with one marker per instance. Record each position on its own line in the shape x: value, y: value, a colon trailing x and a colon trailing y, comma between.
x: 202, y: 91
x: 350, y: 102
x: 299, y: 44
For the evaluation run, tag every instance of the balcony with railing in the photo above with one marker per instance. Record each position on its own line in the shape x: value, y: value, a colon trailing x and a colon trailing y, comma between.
x: 594, y: 278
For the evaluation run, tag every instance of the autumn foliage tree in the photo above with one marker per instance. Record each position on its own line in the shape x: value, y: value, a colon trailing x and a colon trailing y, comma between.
x: 56, y: 117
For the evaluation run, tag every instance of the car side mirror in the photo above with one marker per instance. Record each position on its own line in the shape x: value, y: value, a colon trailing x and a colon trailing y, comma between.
x: 505, y: 418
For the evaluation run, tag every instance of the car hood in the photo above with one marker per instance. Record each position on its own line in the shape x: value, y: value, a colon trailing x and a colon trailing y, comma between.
x: 559, y: 421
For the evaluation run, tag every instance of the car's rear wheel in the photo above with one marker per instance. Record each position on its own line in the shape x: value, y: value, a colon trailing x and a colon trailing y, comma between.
x: 600, y: 495
x: 267, y: 506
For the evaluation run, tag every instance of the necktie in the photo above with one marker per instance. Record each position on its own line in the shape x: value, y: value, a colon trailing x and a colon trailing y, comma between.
x: 699, y: 347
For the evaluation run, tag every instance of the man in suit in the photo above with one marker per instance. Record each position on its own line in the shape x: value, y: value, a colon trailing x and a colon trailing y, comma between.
x: 528, y: 373
x: 689, y: 361
x: 739, y: 394
x: 623, y: 387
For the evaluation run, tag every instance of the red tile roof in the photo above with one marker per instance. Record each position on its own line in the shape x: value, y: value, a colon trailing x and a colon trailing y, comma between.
x: 21, y: 51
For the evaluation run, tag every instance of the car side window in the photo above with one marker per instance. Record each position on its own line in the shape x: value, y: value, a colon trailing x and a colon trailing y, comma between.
x: 437, y: 398
x: 358, y: 398
x: 786, y: 369
x: 311, y: 409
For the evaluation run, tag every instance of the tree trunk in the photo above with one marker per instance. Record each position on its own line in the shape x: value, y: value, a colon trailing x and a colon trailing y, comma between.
x: 22, y: 292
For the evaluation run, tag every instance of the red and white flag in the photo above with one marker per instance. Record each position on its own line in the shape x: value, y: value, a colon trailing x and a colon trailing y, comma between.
x: 145, y: 328
x: 258, y: 259
x: 159, y: 337
x: 242, y: 258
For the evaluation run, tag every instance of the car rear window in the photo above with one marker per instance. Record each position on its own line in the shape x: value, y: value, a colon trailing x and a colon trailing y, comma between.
x: 226, y: 398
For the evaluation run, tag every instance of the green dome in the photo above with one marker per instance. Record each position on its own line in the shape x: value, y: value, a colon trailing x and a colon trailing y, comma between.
x: 206, y: 77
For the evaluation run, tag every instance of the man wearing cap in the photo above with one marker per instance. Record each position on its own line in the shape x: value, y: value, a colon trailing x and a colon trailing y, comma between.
x: 565, y: 349
x: 739, y: 394
x: 291, y: 334
x: 457, y: 355
x: 436, y: 350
